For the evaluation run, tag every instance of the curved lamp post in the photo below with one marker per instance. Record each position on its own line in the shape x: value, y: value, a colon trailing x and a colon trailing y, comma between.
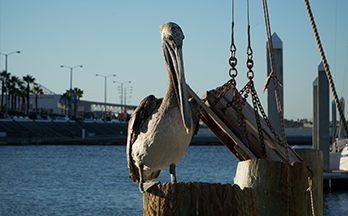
x: 105, y: 77
x: 130, y: 88
x: 71, y: 70
x: 123, y: 108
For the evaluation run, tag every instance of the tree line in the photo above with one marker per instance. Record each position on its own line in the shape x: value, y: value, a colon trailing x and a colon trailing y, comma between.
x: 19, y: 91
x: 66, y: 99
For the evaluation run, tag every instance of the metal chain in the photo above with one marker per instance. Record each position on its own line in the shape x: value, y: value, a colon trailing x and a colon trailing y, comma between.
x: 249, y: 62
x: 250, y: 86
x: 264, y: 116
x: 256, y: 100
x: 233, y: 60
x: 222, y: 91
x: 237, y: 106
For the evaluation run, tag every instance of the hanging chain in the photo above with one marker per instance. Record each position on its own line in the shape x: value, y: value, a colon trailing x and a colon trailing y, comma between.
x: 256, y: 102
x: 251, y: 88
x: 233, y: 60
x: 250, y: 62
x: 233, y: 63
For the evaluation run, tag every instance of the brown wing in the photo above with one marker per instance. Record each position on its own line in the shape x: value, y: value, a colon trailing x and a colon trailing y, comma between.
x: 141, y: 113
x: 195, y: 114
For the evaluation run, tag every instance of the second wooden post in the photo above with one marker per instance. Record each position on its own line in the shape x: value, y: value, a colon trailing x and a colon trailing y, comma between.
x: 280, y: 187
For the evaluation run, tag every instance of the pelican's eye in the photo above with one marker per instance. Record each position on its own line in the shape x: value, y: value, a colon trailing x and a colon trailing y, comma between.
x: 171, y: 38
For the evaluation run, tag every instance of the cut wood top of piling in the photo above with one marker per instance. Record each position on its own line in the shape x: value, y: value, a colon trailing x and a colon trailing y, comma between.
x: 315, y: 82
x: 277, y: 43
x: 321, y: 66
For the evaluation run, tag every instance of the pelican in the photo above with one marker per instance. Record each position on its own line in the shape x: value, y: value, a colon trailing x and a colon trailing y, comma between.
x: 160, y: 130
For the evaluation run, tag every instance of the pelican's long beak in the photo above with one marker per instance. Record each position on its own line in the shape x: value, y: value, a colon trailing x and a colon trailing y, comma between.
x: 173, y: 57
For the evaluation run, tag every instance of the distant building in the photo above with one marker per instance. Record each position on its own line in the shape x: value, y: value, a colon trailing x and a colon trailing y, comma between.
x: 52, y: 102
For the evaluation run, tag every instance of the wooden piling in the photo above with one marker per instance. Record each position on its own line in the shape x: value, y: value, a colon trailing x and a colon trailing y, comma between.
x: 196, y: 198
x: 272, y: 108
x: 280, y: 187
x: 314, y: 159
x: 323, y: 116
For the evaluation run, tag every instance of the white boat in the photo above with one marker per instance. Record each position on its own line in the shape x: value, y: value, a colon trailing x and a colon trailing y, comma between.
x: 339, y: 158
x: 344, y: 158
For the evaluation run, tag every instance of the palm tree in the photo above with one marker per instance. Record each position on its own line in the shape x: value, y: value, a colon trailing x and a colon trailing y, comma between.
x: 18, y: 99
x: 79, y: 94
x: 65, y: 100
x: 12, y: 87
x: 3, y: 75
x: 29, y: 80
x: 17, y: 83
x: 22, y: 94
x: 36, y: 91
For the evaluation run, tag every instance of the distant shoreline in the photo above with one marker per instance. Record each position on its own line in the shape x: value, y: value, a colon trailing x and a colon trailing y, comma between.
x: 50, y: 132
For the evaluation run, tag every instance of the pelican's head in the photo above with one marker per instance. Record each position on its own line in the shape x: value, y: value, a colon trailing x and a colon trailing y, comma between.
x: 172, y: 41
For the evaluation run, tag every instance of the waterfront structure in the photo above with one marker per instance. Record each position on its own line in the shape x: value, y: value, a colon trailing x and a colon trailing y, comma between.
x: 315, y: 114
x: 334, y: 121
x: 272, y: 110
x: 322, y: 116
x: 341, y: 128
x: 52, y: 102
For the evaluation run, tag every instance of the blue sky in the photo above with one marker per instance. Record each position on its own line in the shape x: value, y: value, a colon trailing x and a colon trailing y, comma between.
x: 122, y: 37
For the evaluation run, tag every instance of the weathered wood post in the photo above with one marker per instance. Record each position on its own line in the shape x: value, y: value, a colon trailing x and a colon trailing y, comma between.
x: 341, y: 130
x: 334, y: 122
x: 323, y: 116
x: 196, y: 198
x: 272, y: 110
x: 280, y: 187
x: 315, y: 114
x: 314, y: 159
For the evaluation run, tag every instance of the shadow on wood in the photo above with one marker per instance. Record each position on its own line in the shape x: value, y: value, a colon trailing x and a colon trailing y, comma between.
x: 196, y: 198
x: 314, y: 159
x: 223, y: 122
x: 280, y: 187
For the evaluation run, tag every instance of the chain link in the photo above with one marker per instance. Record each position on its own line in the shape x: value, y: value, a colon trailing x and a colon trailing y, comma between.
x: 237, y: 106
x: 256, y: 101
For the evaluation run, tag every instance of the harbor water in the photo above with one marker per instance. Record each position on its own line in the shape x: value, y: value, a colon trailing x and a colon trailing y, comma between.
x: 93, y: 180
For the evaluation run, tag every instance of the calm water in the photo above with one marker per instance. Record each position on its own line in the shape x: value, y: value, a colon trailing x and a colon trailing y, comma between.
x: 93, y: 180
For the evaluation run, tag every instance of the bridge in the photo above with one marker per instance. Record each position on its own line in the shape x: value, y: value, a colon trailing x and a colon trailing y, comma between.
x: 92, y: 106
x: 51, y: 100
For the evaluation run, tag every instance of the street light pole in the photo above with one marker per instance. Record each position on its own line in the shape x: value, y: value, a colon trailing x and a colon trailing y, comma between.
x: 123, y: 108
x: 6, y: 108
x: 125, y: 97
x: 70, y: 92
x: 105, y: 77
